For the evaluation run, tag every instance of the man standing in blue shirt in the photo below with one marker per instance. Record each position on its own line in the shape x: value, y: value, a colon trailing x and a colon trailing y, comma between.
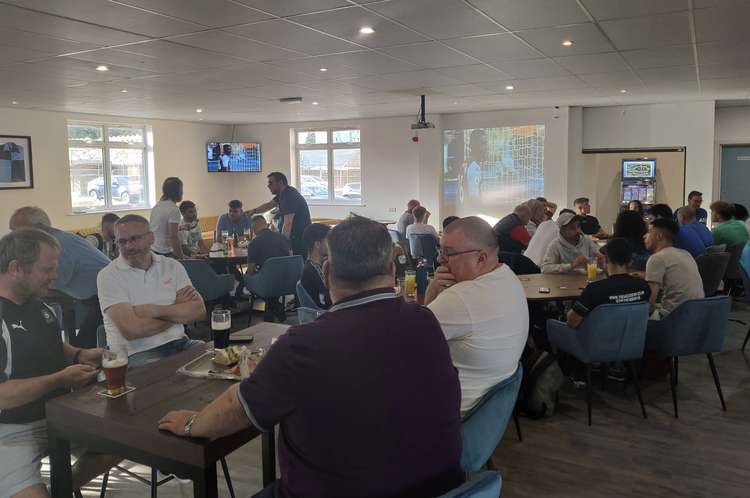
x: 77, y: 269
x: 695, y: 199
x: 235, y: 222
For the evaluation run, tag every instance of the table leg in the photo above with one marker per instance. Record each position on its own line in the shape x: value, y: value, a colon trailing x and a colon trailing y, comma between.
x: 59, y: 459
x: 204, y: 483
x: 268, y: 451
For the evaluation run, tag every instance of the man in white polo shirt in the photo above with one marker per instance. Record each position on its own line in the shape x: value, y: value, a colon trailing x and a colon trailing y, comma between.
x: 146, y: 298
x: 481, y: 307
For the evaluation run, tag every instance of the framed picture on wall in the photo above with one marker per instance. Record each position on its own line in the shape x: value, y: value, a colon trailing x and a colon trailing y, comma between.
x: 15, y: 162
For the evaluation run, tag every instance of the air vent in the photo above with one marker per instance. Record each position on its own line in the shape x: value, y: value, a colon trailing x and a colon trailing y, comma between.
x: 291, y: 100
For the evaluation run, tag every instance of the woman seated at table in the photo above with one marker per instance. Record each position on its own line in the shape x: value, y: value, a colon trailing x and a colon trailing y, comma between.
x: 631, y: 227
x: 314, y: 238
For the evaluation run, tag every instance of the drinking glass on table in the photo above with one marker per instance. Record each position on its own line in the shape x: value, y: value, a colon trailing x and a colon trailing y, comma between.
x: 410, y: 284
x: 115, y: 366
x: 591, y: 270
x: 221, y: 322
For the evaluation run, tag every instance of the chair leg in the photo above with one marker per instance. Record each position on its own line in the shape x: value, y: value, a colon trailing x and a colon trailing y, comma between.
x: 716, y: 380
x: 673, y: 386
x: 588, y: 391
x: 676, y: 370
x: 154, y: 482
x: 634, y: 375
x: 225, y: 469
x: 746, y: 338
x: 105, y: 479
x: 518, y: 426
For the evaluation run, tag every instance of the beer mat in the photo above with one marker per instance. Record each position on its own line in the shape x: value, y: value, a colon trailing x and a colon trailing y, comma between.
x: 128, y: 389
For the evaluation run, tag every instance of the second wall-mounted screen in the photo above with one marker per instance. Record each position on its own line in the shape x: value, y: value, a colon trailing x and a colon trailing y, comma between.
x: 488, y: 171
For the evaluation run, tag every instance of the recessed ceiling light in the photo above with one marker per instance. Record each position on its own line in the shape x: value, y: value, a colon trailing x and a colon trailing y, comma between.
x: 200, y: 119
x: 567, y: 43
x: 102, y: 67
x: 455, y: 103
x: 199, y: 110
x: 15, y: 102
x: 510, y: 87
x: 623, y: 91
x: 314, y: 103
x: 323, y: 69
x: 366, y: 30
x: 124, y: 90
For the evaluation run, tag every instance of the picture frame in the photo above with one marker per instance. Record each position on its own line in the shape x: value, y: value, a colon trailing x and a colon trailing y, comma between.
x: 16, y: 168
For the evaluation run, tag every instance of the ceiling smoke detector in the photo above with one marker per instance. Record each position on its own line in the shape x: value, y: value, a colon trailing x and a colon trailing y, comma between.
x: 290, y: 100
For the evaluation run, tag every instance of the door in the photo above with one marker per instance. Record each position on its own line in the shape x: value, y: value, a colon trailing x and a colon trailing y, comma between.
x: 735, y: 174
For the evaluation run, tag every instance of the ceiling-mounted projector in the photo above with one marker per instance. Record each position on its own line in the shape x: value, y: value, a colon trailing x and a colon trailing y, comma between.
x: 422, y: 123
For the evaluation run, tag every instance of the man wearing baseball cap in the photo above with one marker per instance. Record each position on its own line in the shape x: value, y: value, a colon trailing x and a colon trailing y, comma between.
x: 571, y: 249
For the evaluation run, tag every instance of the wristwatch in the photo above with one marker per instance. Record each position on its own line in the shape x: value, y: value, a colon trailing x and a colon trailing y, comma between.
x: 188, y: 430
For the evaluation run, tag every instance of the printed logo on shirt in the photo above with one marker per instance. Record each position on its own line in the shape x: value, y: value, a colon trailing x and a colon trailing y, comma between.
x: 48, y: 318
x: 18, y: 325
x: 168, y: 281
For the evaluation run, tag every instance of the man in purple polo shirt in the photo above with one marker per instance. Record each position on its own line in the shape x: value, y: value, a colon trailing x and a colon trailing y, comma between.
x: 366, y: 395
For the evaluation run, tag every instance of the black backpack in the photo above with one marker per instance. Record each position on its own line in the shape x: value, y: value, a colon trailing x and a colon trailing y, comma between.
x: 542, y: 380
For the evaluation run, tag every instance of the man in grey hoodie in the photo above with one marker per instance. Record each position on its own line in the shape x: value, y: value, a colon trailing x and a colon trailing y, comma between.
x: 571, y: 249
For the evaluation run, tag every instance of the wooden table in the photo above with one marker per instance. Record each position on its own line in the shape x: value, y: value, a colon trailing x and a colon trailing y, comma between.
x: 562, y: 286
x: 127, y: 426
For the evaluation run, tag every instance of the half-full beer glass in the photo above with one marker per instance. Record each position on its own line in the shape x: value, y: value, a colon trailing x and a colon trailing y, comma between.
x: 115, y: 366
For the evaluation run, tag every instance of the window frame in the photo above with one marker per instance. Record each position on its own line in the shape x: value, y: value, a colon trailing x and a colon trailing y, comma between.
x: 330, y: 147
x: 105, y: 145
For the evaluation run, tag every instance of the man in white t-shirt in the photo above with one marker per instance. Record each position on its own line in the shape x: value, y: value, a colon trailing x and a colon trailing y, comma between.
x: 146, y: 298
x: 481, y: 307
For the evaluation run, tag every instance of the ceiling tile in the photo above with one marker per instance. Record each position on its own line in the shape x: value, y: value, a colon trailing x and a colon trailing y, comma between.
x: 647, y: 32
x: 294, y: 7
x: 593, y: 63
x: 409, y: 80
x: 537, y: 84
x: 238, y: 46
x: 475, y: 73
x: 373, y: 63
x: 739, y: 85
x: 465, y: 90
x: 437, y: 18
x: 679, y: 55
x: 537, y: 68
x: 616, y: 9
x: 526, y: 14
x: 294, y: 37
x: 621, y: 79
x: 667, y: 74
x: 430, y: 55
x: 722, y: 24
x: 714, y: 53
x: 493, y: 48
x: 112, y: 15
x: 45, y: 44
x: 710, y: 71
x: 587, y: 39
x: 346, y: 23
x: 19, y: 54
x: 216, y: 13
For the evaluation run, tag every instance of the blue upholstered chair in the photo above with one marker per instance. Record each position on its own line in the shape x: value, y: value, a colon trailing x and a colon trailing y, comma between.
x: 277, y: 278
x: 424, y: 246
x: 305, y: 300
x: 485, y: 484
x: 484, y: 425
x: 611, y: 332
x: 712, y: 267
x: 207, y: 282
x: 694, y: 327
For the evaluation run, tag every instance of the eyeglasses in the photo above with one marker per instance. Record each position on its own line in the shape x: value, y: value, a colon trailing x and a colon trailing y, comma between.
x: 444, y: 254
x: 133, y: 239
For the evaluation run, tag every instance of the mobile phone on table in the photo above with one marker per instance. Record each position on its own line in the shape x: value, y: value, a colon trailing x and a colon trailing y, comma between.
x: 543, y: 290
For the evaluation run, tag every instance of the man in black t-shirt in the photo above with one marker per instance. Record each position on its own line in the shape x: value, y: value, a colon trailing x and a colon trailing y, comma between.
x: 35, y: 365
x: 312, y: 274
x: 589, y: 224
x: 293, y: 211
x: 619, y: 288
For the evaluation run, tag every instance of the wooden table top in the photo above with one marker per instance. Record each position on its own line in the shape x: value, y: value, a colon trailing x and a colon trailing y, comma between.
x: 562, y: 286
x: 131, y: 421
x: 239, y: 256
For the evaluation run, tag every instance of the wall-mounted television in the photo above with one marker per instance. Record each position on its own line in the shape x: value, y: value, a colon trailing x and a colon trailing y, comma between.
x: 638, y: 168
x: 232, y: 157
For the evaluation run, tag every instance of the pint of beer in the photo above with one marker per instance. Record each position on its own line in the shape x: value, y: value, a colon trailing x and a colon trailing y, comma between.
x: 115, y: 366
x: 221, y: 323
x: 410, y: 284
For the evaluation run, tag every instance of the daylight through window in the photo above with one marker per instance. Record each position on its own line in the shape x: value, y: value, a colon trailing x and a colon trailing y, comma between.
x: 329, y: 167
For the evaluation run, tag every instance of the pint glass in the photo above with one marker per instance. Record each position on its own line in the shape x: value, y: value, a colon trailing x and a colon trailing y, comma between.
x: 115, y: 366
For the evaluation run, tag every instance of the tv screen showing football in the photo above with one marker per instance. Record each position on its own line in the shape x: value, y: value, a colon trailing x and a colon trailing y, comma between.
x: 232, y: 157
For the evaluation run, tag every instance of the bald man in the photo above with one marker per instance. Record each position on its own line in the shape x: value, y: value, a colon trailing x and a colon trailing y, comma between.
x: 481, y: 307
x: 511, y: 230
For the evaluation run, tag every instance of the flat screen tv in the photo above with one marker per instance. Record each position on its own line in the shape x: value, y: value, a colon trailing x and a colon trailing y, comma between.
x: 638, y: 168
x: 232, y: 157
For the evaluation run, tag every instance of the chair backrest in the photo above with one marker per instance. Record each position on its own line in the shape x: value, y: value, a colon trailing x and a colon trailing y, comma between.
x: 484, y: 425
x: 305, y: 314
x: 395, y: 236
x: 733, y: 267
x: 613, y: 332
x: 424, y: 246
x: 520, y: 264
x: 716, y: 248
x: 745, y: 284
x: 712, y: 267
x: 205, y: 280
x: 485, y: 484
x: 304, y: 297
x: 277, y: 277
x: 695, y: 326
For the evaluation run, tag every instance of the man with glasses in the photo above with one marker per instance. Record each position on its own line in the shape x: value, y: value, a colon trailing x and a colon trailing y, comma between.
x: 146, y: 298
x: 481, y: 307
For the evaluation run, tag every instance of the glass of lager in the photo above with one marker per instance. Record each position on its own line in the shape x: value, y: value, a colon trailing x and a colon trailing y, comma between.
x: 115, y: 366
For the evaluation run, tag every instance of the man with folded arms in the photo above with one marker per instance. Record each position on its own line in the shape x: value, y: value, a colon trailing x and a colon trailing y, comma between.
x: 366, y: 395
x: 35, y: 365
x: 481, y: 307
x: 571, y: 250
x: 146, y: 298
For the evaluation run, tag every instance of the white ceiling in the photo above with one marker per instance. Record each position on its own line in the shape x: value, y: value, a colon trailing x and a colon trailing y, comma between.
x: 235, y: 58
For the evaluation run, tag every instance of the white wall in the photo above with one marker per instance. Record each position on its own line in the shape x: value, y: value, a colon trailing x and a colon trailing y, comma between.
x: 179, y: 150
x: 688, y: 124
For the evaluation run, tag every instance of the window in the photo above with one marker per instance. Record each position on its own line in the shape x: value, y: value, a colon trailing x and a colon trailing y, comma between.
x: 329, y: 166
x: 108, y: 167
